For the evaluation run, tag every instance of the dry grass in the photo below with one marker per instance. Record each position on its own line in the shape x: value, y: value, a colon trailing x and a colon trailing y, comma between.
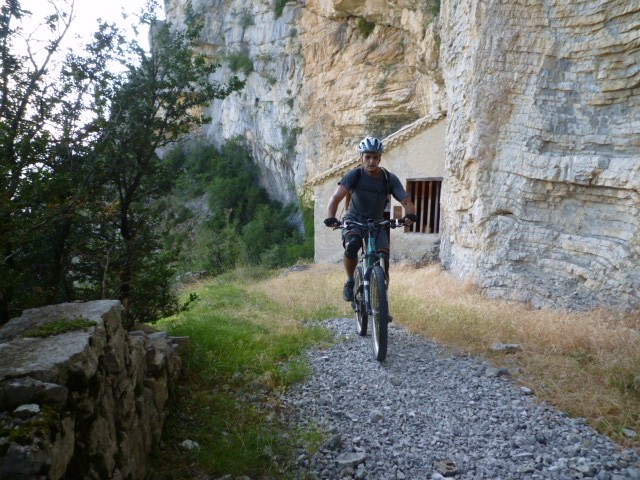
x: 587, y: 364
x: 313, y: 293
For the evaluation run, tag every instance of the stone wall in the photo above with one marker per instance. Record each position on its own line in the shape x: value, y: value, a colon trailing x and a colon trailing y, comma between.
x: 542, y: 194
x: 88, y: 403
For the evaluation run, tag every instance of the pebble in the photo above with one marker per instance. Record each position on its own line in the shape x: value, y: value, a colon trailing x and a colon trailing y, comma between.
x: 26, y: 411
x: 428, y: 413
x: 190, y: 445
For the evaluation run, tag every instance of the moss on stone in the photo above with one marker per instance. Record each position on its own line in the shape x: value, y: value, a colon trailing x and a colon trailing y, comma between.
x: 60, y: 326
x: 44, y: 425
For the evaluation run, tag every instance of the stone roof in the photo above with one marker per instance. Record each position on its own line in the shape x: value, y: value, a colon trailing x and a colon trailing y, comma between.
x: 396, y: 138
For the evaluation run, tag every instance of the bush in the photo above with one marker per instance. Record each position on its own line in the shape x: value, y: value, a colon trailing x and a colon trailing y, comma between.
x: 365, y: 28
x: 243, y: 226
x: 279, y: 7
x: 240, y: 62
x: 432, y: 7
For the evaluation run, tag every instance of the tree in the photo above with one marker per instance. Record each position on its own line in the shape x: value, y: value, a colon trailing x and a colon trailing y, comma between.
x: 78, y: 160
x: 28, y: 99
x: 241, y: 226
x: 156, y: 105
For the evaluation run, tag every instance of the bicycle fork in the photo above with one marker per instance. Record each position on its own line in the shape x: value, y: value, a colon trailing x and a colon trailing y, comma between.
x: 365, y: 286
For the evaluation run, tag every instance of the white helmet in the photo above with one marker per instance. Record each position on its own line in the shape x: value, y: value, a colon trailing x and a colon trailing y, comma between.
x: 370, y: 144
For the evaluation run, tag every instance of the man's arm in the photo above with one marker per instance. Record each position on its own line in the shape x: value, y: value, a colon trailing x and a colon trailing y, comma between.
x: 409, y: 209
x: 408, y: 205
x: 335, y: 200
x: 398, y: 192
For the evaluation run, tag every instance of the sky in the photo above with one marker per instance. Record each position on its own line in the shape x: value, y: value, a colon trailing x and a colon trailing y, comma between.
x: 86, y: 13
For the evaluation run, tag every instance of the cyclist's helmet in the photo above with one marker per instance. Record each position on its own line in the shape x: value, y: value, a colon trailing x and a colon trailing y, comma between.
x: 370, y: 144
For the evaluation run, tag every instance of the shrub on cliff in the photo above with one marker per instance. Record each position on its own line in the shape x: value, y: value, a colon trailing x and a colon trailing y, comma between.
x: 240, y: 225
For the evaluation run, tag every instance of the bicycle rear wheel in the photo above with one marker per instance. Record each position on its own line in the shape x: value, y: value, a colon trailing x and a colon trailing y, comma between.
x: 358, y: 303
x: 379, y: 312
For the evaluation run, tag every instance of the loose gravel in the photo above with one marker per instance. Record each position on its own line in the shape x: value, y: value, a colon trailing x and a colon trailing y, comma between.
x: 428, y: 413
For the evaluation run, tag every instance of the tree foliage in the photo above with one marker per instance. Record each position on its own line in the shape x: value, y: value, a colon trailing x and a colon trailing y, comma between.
x: 78, y: 163
x: 240, y: 225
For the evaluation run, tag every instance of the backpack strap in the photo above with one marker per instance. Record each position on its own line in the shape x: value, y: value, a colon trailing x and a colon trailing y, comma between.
x: 387, y: 183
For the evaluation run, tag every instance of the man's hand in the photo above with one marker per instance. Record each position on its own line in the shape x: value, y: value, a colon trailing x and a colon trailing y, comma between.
x: 409, y: 218
x: 331, y: 222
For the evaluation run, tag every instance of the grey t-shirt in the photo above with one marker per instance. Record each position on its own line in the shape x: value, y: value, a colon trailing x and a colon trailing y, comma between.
x: 369, y: 197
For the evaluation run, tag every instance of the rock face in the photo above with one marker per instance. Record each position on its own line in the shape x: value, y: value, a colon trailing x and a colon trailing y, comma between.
x: 541, y: 189
x: 88, y: 403
x: 247, y: 40
x: 543, y: 150
x: 357, y: 84
x: 316, y: 80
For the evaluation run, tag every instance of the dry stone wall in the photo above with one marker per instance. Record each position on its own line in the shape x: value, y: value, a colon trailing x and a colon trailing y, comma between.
x: 88, y: 403
x: 542, y: 192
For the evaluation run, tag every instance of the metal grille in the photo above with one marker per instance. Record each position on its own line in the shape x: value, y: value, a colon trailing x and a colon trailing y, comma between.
x: 425, y: 195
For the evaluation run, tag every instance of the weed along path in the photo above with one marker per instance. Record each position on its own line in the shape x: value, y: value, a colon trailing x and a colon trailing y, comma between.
x: 426, y: 413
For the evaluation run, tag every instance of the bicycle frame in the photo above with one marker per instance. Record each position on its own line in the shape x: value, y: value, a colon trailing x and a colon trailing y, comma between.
x: 369, y: 258
x: 370, y: 288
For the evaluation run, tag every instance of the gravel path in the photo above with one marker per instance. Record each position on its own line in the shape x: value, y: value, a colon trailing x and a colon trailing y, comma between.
x: 428, y: 414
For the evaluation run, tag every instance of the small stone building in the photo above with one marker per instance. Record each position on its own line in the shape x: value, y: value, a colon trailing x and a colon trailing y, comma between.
x: 415, y: 153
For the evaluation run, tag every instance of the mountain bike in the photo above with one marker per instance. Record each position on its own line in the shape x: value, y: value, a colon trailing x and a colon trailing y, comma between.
x: 370, y: 299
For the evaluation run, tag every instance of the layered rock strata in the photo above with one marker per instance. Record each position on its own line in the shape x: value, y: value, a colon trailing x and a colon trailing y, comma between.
x: 319, y: 76
x: 543, y: 150
x: 88, y: 403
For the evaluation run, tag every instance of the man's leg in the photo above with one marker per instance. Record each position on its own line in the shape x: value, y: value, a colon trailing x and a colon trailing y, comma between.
x: 383, y: 249
x: 352, y: 244
x: 349, y: 266
x: 385, y: 263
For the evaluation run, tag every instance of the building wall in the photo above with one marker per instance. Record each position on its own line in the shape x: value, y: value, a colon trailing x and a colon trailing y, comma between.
x: 421, y: 156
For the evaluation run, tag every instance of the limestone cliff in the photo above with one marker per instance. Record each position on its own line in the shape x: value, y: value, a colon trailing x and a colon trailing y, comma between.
x: 542, y: 183
x: 543, y: 149
x: 320, y: 75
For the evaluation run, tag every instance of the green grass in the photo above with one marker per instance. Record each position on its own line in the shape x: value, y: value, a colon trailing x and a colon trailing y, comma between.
x: 246, y: 335
x: 279, y: 7
x: 244, y: 349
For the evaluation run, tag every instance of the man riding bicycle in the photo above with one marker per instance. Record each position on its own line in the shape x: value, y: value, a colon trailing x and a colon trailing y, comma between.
x: 369, y: 186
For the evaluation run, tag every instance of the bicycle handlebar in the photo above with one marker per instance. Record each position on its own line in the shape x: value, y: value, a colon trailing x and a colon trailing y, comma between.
x: 371, y: 223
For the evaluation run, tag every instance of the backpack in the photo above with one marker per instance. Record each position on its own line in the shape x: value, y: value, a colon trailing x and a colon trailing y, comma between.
x: 387, y: 188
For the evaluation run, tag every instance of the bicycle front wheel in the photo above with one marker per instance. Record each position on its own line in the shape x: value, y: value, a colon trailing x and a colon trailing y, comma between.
x: 379, y: 312
x: 358, y: 303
